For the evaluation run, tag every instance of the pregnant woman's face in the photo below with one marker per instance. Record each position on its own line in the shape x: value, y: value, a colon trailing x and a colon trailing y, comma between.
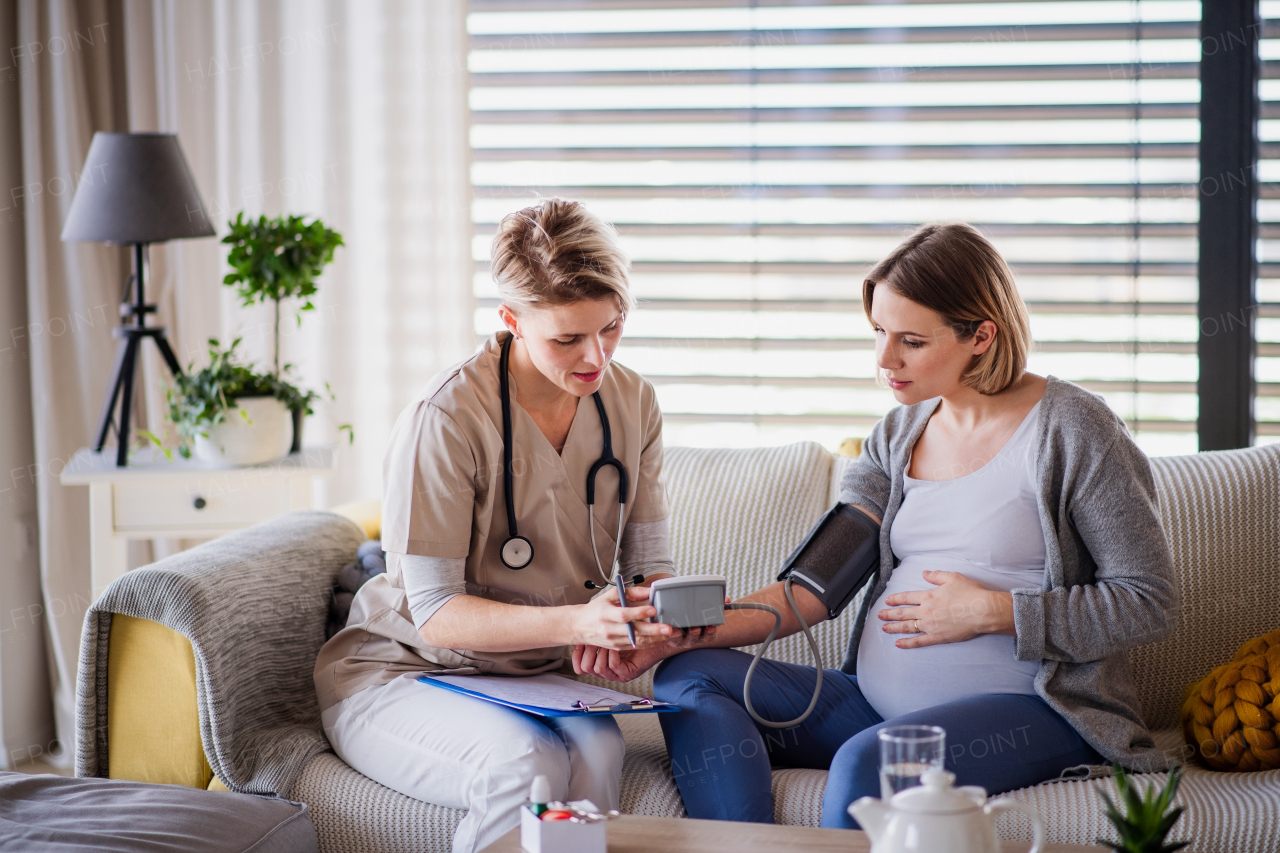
x: 919, y: 353
x: 571, y: 344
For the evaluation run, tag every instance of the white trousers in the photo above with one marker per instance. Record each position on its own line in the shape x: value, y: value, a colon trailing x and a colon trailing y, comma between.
x: 465, y: 753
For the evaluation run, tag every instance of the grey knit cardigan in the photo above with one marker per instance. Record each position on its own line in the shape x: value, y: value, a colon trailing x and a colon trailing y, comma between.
x: 1109, y: 580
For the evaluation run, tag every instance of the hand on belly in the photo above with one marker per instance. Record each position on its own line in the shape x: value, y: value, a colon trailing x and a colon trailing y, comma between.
x: 956, y: 609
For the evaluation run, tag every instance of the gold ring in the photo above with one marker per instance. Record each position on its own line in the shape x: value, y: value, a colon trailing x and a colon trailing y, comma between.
x: 917, y: 621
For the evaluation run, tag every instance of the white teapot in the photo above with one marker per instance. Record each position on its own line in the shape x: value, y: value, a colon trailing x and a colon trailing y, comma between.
x: 935, y: 817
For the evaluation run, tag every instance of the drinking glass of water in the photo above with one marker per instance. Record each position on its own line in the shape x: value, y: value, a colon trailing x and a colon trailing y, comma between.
x: 906, y: 752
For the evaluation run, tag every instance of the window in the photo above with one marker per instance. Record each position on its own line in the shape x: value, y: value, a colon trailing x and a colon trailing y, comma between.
x: 1267, y: 323
x: 758, y: 159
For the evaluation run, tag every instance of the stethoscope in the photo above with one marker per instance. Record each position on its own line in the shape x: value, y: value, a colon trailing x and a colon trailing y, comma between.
x: 517, y: 551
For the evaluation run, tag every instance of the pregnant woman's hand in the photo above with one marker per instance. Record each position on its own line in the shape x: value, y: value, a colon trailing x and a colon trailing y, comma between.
x: 955, y: 610
x: 629, y: 664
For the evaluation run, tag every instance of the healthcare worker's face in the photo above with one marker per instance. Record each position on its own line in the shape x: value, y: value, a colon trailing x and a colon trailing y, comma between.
x: 919, y: 353
x: 570, y: 344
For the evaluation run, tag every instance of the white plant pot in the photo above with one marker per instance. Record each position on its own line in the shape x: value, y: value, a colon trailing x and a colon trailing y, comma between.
x: 265, y: 437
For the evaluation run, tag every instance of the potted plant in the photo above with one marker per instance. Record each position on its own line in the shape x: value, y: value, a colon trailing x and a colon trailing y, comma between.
x: 229, y: 414
x: 1147, y: 816
x: 276, y: 259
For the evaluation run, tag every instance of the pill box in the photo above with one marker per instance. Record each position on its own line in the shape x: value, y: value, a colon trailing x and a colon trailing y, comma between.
x: 560, y: 836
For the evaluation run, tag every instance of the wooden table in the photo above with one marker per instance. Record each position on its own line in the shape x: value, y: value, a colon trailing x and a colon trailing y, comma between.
x: 639, y: 834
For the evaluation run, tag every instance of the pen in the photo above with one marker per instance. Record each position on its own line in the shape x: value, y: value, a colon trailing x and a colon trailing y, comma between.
x: 622, y: 602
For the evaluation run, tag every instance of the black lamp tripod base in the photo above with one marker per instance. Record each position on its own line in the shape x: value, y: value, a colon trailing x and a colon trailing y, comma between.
x: 126, y: 363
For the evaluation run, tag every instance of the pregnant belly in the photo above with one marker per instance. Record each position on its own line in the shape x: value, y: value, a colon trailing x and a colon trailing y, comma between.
x: 897, y: 681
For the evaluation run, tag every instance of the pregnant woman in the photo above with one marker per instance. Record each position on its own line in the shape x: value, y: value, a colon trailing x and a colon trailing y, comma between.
x: 1021, y: 557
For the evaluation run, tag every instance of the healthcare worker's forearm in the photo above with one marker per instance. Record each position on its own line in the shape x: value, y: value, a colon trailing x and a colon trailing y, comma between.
x: 478, y: 624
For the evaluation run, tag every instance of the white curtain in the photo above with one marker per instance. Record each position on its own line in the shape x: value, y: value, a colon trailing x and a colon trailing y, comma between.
x: 351, y: 110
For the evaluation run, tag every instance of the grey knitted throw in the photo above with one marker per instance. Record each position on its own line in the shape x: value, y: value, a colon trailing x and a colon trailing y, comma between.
x: 253, y: 604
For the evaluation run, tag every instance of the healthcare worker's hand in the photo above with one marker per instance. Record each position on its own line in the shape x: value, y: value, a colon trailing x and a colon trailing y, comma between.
x: 628, y: 664
x: 601, y: 622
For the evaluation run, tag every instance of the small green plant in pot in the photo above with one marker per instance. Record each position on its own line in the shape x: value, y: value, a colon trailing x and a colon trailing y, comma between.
x: 1147, y: 817
x: 229, y: 413
x: 274, y: 259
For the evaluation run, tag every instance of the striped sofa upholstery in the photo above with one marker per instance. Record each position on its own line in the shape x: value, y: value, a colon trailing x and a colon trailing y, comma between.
x: 739, y: 512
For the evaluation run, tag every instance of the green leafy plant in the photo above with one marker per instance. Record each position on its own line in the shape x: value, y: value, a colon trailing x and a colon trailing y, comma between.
x: 1146, y: 818
x: 200, y: 399
x: 278, y: 258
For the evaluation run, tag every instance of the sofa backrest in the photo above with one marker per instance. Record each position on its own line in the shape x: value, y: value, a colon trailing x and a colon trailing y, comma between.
x: 1221, y: 512
x: 740, y: 512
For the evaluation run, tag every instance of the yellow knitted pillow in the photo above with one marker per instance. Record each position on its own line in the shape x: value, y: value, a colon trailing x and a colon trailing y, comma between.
x: 1232, y: 717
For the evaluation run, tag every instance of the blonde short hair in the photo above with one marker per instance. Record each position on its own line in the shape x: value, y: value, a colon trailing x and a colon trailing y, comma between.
x: 558, y: 252
x: 950, y: 268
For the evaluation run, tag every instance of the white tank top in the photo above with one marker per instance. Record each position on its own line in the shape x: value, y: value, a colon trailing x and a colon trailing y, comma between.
x: 986, y: 526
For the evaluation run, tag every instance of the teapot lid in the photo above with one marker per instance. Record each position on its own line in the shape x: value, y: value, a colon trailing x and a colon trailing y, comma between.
x: 936, y: 795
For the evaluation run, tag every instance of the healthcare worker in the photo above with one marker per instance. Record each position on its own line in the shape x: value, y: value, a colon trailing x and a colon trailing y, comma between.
x: 476, y: 586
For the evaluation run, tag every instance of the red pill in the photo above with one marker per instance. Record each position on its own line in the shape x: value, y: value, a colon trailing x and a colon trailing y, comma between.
x: 556, y: 814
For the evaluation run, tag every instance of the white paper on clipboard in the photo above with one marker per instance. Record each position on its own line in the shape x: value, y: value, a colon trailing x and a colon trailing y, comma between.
x: 552, y: 692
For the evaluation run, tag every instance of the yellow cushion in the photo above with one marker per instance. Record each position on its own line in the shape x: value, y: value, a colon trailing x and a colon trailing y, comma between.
x: 1232, y: 717
x: 367, y: 514
x: 153, y: 726
x: 850, y: 447
x: 215, y: 784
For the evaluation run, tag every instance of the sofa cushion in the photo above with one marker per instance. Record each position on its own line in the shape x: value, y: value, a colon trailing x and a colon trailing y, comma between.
x: 56, y: 814
x: 1221, y: 512
x: 355, y: 814
x: 1225, y: 812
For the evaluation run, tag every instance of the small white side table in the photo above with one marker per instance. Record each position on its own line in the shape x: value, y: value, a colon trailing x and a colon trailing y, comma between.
x: 156, y: 497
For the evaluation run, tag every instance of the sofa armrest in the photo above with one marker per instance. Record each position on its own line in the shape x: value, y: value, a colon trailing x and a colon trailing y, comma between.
x: 152, y: 712
x: 253, y: 605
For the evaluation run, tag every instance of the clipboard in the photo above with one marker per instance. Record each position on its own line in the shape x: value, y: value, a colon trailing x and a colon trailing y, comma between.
x: 548, y: 695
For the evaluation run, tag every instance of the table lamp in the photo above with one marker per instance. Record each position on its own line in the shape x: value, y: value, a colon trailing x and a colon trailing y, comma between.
x: 136, y: 189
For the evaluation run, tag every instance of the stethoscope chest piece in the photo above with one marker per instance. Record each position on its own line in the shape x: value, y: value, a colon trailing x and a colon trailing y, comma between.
x: 517, y: 552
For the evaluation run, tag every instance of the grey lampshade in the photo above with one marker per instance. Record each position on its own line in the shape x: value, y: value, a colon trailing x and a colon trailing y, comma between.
x: 136, y: 188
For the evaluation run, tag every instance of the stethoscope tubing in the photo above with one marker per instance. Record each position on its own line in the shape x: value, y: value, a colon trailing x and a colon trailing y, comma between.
x: 508, y: 478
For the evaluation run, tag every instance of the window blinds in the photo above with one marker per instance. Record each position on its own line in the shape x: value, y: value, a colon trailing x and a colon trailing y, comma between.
x: 1267, y: 321
x: 759, y: 158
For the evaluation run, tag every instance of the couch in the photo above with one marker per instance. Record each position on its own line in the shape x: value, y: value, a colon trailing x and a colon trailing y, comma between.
x: 154, y: 706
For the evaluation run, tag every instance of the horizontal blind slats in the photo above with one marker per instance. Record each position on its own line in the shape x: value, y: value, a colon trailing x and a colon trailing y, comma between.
x: 988, y: 37
x: 834, y: 74
x: 574, y: 114
x: 855, y: 307
x: 1171, y: 150
x: 681, y: 128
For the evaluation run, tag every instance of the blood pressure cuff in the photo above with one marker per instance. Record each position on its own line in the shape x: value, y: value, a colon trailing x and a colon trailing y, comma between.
x: 837, y: 558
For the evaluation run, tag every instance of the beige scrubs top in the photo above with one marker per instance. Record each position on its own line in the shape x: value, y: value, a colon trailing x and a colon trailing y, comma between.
x: 444, y: 498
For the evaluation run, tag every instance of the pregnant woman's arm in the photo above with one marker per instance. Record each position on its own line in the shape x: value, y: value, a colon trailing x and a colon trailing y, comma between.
x: 740, y: 628
x: 1133, y: 599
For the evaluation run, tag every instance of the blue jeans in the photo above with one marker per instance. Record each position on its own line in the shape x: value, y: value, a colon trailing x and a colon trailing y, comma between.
x: 721, y: 759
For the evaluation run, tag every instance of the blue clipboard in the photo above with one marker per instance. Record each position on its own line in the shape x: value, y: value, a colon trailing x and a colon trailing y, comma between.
x: 584, y: 706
